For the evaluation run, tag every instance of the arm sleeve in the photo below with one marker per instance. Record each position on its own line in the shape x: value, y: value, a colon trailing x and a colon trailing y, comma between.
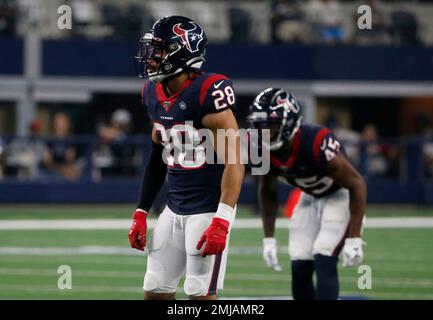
x: 153, y: 178
x: 144, y: 100
x: 220, y: 95
x: 326, y: 147
x: 142, y: 94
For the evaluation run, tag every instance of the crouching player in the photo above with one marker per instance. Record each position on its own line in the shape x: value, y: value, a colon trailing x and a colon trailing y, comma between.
x: 328, y: 217
x: 191, y: 234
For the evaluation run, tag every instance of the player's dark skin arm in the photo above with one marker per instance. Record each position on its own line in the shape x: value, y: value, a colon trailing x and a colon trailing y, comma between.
x: 345, y: 175
x: 233, y: 174
x: 268, y: 203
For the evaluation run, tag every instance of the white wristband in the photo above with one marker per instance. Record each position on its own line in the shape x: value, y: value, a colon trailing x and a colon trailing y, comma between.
x: 225, y: 212
x: 141, y: 210
x: 269, y: 241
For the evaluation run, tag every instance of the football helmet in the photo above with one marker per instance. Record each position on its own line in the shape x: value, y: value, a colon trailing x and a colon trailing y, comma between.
x: 174, y: 43
x: 277, y: 110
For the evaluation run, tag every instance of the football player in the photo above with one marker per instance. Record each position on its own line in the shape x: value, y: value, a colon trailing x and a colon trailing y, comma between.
x: 329, y: 214
x: 191, y: 235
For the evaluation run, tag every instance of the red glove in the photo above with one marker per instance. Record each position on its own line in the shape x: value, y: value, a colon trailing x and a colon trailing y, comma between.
x: 137, y: 233
x: 215, y: 237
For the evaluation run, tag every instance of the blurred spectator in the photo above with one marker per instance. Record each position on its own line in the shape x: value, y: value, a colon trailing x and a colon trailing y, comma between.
x: 378, y: 34
x: 376, y: 161
x: 8, y: 15
x: 240, y: 24
x: 24, y: 155
x: 128, y: 21
x: 84, y: 15
x: 287, y: 21
x: 61, y: 158
x: 2, y: 148
x: 382, y: 159
x: 326, y: 18
x: 114, y: 156
x: 35, y: 15
x: 348, y: 137
x: 404, y: 28
x: 423, y: 126
x: 112, y: 16
x: 428, y: 158
x: 138, y: 18
x: 424, y: 130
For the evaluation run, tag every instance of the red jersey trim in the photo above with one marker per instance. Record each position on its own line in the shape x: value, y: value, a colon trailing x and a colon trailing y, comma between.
x: 167, y: 102
x: 207, y: 84
x: 318, y: 142
x: 213, y: 286
x: 293, y: 156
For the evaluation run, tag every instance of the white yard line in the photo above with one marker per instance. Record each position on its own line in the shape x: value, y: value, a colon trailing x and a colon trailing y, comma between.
x: 393, y: 282
x: 124, y: 224
x: 62, y: 251
x: 46, y: 288
x: 109, y: 250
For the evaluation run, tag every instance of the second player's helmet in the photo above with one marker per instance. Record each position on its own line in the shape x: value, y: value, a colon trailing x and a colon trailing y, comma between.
x: 176, y: 43
x: 277, y: 110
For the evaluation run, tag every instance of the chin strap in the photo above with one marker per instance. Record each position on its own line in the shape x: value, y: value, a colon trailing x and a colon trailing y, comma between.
x: 279, y: 143
x: 275, y: 145
x: 298, y: 124
x: 194, y: 64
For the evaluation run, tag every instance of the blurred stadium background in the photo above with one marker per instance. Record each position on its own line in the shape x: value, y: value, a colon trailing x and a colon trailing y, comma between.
x: 74, y: 137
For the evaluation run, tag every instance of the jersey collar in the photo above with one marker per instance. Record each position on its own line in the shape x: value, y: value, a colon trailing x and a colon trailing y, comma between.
x: 167, y: 102
x: 293, y: 155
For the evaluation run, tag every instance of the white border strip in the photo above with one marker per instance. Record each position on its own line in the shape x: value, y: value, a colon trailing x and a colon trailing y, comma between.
x: 255, y: 223
x: 80, y: 89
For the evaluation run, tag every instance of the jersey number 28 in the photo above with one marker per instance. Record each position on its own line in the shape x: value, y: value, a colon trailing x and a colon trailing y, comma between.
x: 228, y: 95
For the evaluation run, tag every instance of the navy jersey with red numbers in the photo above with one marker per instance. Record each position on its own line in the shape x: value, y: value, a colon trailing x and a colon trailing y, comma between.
x: 313, y: 147
x: 193, y: 186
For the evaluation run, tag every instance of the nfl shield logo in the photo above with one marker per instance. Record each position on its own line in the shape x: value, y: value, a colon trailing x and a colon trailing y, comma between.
x: 182, y: 105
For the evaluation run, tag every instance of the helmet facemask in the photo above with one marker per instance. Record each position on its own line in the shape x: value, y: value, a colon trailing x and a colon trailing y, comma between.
x: 278, y: 113
x: 153, y: 49
x: 281, y: 130
x: 287, y: 131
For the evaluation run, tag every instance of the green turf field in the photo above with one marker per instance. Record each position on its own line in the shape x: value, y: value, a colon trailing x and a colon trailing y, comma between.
x: 121, y: 211
x: 400, y: 259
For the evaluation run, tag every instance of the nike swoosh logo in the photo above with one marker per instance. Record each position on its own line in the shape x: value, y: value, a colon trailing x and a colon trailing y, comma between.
x: 216, y: 86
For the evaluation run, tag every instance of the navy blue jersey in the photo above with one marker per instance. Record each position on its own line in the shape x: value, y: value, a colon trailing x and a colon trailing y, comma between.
x: 313, y: 147
x: 192, y: 187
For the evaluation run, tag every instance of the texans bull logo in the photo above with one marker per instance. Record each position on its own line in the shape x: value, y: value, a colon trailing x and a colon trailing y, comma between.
x: 191, y: 36
x: 285, y: 103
